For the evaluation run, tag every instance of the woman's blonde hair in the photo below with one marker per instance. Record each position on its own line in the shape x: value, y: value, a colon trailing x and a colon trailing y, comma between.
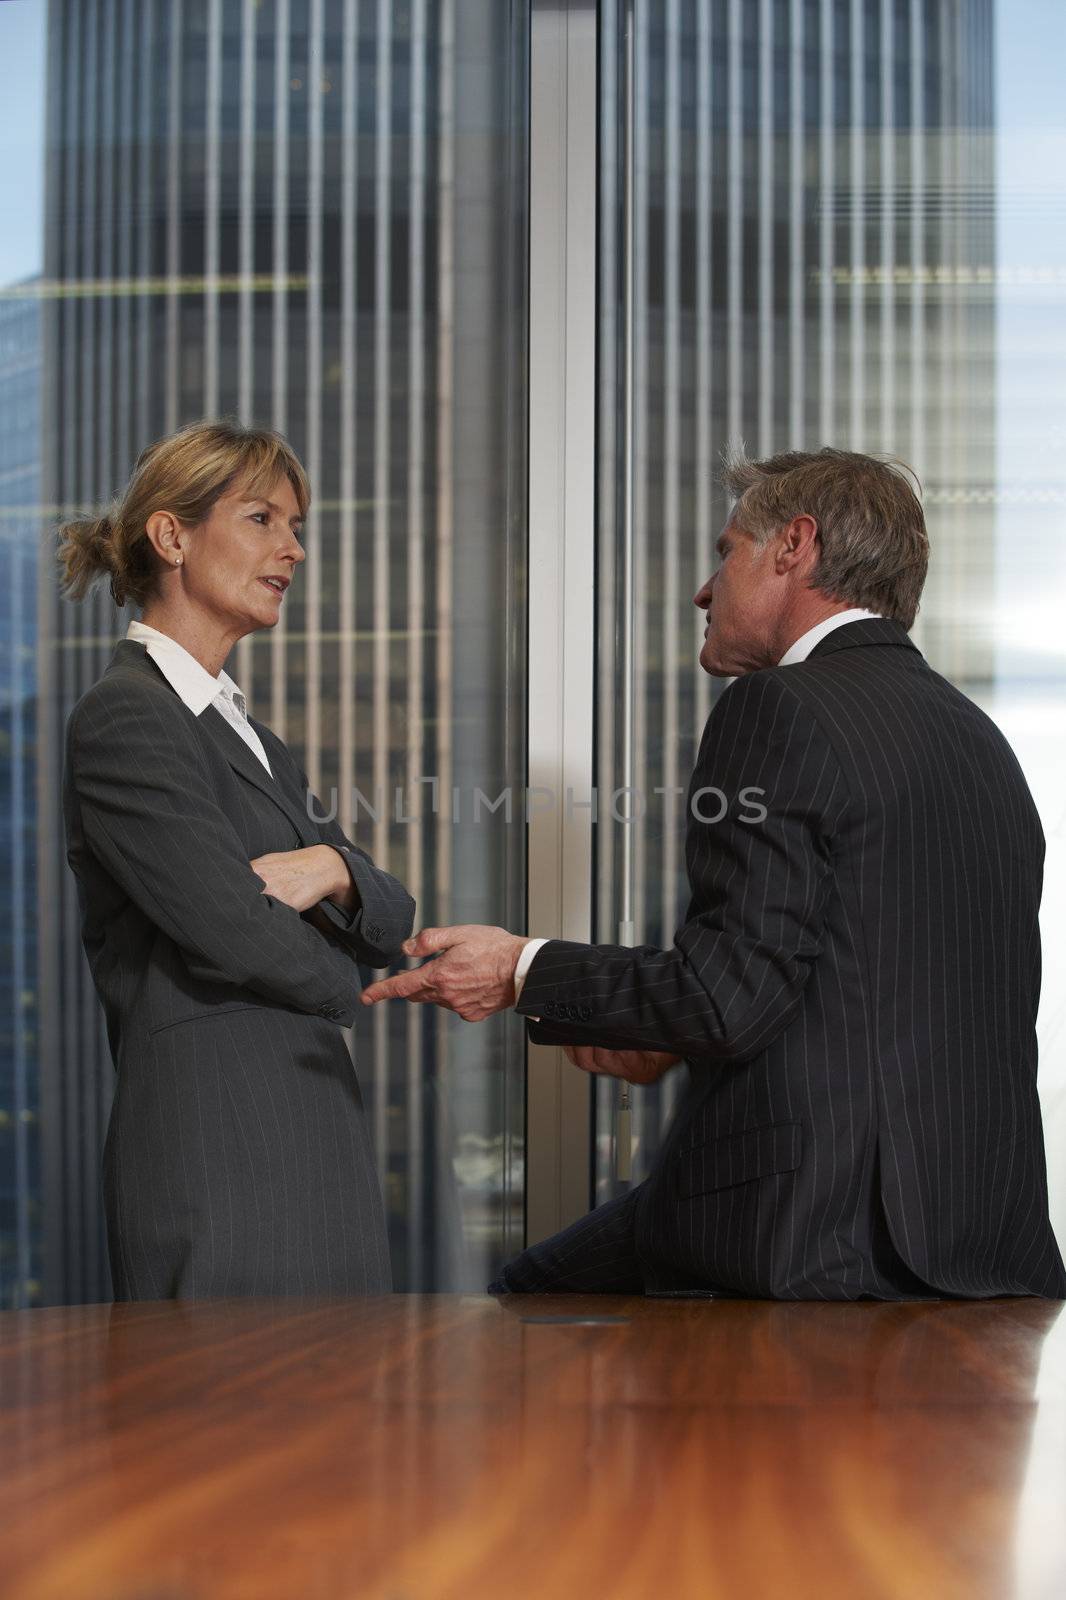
x: 184, y: 473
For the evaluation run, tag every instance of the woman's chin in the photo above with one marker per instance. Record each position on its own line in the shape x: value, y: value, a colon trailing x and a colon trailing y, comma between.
x: 268, y: 615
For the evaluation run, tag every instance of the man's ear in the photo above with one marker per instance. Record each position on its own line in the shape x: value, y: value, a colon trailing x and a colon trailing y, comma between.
x: 799, y: 539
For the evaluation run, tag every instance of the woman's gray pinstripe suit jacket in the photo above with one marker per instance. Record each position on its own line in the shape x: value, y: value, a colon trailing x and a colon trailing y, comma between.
x: 237, y: 1159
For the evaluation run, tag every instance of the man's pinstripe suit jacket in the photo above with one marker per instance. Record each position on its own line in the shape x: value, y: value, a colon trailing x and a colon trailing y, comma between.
x: 855, y: 990
x: 237, y: 1158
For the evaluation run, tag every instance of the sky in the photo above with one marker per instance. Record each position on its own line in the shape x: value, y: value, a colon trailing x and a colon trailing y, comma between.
x: 1031, y: 337
x: 22, y: 30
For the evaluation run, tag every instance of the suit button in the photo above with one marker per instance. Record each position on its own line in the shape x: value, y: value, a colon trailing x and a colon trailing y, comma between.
x: 571, y: 1012
x: 549, y: 1008
x: 586, y: 1012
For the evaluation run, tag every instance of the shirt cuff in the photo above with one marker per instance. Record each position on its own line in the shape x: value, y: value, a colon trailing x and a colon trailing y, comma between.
x: 525, y: 961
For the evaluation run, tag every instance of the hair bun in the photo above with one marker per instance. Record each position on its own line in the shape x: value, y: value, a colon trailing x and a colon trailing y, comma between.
x: 87, y: 552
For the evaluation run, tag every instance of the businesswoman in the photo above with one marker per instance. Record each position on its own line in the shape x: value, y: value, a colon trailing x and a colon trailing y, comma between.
x: 222, y: 921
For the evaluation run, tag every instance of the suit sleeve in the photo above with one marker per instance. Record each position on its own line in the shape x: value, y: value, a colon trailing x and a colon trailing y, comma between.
x: 761, y: 877
x: 150, y: 816
x: 384, y: 915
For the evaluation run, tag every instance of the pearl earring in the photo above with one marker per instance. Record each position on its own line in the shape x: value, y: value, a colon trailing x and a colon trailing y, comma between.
x: 177, y: 562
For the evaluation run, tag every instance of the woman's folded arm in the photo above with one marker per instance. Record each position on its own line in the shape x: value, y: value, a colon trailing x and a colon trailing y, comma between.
x: 150, y: 816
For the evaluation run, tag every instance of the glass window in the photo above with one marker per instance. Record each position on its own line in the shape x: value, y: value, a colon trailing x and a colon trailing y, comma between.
x: 883, y: 269
x: 321, y: 227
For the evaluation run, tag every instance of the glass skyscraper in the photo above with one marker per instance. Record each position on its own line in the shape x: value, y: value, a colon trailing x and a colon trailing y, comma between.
x: 807, y: 257
x: 20, y: 1200
x: 312, y: 216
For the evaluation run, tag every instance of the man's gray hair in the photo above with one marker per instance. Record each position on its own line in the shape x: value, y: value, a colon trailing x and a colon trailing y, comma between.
x: 874, y: 549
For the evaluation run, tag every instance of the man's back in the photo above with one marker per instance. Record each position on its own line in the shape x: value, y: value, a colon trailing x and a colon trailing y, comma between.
x: 886, y: 1139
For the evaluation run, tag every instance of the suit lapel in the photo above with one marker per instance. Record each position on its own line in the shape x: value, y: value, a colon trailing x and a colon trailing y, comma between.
x: 244, y: 760
x: 131, y: 655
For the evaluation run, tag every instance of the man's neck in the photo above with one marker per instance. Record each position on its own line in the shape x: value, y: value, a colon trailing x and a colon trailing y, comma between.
x: 802, y: 621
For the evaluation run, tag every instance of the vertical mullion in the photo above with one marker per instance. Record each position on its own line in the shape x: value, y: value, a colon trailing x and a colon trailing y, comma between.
x: 671, y: 620
x: 416, y: 601
x: 614, y: 600
x: 382, y: 515
x: 246, y: 221
x: 279, y: 365
x: 735, y: 210
x: 671, y: 467
x: 81, y: 1013
x: 633, y: 832
x: 212, y: 166
x: 827, y: 214
x: 562, y: 478
x: 857, y: 383
x: 112, y: 379
x: 349, y: 200
x: 704, y: 457
x: 143, y: 424
x: 126, y: 221
x: 445, y: 518
x: 610, y: 462
x: 797, y: 192
x: 312, y: 536
x: 886, y: 275
x: 245, y: 270
x: 173, y: 259
x: 767, y: 387
x: 918, y: 255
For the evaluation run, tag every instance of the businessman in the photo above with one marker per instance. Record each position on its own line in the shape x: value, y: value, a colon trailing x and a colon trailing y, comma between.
x: 853, y: 989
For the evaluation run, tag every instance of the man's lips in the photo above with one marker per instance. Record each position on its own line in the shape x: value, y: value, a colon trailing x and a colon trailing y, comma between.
x: 277, y: 588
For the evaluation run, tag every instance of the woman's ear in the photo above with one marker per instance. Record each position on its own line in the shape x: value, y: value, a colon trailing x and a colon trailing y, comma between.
x: 164, y: 534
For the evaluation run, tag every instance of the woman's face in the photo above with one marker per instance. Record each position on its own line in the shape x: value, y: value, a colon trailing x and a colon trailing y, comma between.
x: 238, y: 564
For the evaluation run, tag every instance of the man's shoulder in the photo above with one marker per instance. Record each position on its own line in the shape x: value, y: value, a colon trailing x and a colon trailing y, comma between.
x: 763, y: 693
x: 758, y: 714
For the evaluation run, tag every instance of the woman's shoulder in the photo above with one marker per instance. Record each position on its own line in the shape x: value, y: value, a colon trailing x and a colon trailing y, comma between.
x: 130, y: 689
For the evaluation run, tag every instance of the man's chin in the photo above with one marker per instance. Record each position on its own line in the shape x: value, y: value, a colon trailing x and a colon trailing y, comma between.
x: 711, y: 664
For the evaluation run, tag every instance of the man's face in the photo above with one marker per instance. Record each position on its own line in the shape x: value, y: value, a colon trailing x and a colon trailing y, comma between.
x: 742, y: 602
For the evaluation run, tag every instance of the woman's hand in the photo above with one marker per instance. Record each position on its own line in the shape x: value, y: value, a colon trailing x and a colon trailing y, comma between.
x: 635, y: 1066
x: 301, y: 878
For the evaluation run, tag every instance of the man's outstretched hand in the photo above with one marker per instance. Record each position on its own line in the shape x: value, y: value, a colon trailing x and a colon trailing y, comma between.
x: 473, y: 971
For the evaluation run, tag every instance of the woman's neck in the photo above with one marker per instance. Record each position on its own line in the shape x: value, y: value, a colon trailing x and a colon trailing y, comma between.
x: 201, y: 636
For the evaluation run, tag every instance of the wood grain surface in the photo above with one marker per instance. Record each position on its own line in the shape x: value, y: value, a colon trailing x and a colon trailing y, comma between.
x: 440, y: 1446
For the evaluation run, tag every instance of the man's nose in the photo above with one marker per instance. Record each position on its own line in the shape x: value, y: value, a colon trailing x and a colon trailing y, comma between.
x: 703, y: 596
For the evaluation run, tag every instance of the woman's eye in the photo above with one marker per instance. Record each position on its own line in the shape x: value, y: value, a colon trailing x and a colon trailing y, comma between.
x: 260, y: 516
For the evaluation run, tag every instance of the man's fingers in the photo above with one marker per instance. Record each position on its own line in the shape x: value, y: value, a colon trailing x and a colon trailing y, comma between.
x: 404, y: 986
x: 429, y: 942
x: 583, y: 1056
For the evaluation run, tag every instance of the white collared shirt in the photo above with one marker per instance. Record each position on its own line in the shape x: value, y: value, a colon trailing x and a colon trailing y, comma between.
x: 195, y: 685
x: 795, y: 652
x: 807, y: 641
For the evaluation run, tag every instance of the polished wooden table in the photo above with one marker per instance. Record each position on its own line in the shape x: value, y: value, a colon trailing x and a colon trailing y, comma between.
x: 440, y: 1446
